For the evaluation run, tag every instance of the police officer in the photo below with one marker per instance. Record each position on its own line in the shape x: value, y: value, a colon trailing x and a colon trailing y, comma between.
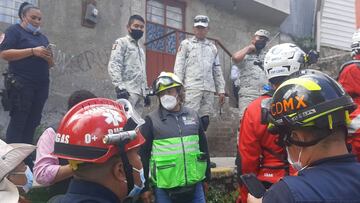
x: 175, y: 151
x: 98, y: 138
x: 310, y: 112
x: 257, y: 147
x: 27, y: 81
x: 349, y: 78
x: 198, y: 67
x: 127, y: 65
x: 252, y: 77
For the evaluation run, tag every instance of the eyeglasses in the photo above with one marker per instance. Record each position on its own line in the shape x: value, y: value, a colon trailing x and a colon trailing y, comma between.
x: 203, y: 20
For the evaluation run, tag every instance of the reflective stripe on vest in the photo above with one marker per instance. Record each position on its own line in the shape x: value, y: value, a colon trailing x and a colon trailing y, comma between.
x: 177, y: 162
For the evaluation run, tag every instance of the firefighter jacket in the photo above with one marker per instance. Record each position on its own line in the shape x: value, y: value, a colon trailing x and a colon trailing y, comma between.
x: 349, y: 78
x: 259, y: 153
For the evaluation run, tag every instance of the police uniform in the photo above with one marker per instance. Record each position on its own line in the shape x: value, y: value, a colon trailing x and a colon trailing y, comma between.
x: 252, y: 80
x: 127, y: 70
x: 30, y: 87
x: 197, y: 65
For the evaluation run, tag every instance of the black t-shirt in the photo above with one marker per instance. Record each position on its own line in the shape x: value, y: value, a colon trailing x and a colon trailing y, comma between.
x: 32, y: 69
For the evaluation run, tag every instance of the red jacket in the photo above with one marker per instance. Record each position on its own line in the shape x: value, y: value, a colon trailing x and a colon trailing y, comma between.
x: 349, y: 78
x: 253, y: 139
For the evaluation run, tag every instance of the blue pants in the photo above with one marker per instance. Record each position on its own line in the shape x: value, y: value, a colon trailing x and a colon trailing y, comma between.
x: 25, y: 114
x: 161, y: 195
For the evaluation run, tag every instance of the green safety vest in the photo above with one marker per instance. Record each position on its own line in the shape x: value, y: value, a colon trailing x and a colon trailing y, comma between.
x: 177, y: 162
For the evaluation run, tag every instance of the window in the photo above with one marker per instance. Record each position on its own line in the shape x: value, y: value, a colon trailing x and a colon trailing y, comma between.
x: 9, y: 10
x: 164, y: 16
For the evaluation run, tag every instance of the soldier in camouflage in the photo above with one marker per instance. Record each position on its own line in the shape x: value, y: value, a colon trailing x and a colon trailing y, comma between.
x: 197, y: 65
x: 127, y: 65
x: 252, y: 77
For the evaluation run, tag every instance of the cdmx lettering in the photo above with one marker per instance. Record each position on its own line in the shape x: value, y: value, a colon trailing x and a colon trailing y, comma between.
x: 288, y: 105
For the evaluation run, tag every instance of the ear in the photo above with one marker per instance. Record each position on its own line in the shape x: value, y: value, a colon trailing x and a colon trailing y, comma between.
x: 298, y: 135
x: 118, y: 171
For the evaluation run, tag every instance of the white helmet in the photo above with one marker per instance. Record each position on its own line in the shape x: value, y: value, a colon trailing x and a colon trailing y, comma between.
x: 355, y: 46
x: 283, y: 60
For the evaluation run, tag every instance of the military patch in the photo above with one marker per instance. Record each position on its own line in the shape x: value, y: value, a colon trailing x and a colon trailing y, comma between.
x: 189, y: 120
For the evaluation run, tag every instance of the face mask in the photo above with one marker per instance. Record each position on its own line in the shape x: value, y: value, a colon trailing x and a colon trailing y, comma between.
x: 168, y: 102
x: 260, y: 44
x: 32, y: 29
x: 136, y: 34
x: 297, y: 164
x: 137, y: 189
x: 29, y: 180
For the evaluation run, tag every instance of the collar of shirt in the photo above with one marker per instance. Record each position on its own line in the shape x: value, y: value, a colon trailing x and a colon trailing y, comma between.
x: 338, y: 159
x: 196, y: 40
x: 91, y: 189
x: 132, y: 39
x: 165, y: 113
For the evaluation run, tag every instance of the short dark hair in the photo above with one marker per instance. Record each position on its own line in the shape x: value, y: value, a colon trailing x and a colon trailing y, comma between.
x: 79, y: 96
x: 24, y: 8
x: 135, y: 17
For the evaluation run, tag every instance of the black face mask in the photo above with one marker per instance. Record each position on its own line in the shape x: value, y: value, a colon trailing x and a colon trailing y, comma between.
x: 260, y: 44
x: 136, y: 34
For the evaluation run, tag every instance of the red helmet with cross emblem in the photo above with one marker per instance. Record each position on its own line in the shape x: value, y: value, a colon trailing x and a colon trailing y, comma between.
x: 82, y: 131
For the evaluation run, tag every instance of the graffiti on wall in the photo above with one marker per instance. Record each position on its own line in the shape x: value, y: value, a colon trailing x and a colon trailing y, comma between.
x: 85, y: 61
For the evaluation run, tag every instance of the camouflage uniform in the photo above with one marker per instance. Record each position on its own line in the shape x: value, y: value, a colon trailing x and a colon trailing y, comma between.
x: 252, y: 80
x: 198, y: 67
x: 127, y: 70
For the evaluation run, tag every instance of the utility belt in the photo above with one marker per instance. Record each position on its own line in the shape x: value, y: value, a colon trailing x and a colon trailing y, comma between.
x: 12, y: 85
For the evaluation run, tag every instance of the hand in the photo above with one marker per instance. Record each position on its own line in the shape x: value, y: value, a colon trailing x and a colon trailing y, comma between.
x: 206, y: 187
x: 146, y: 197
x: 221, y: 98
x: 42, y: 52
x: 252, y: 199
x: 251, y: 48
x: 147, y: 100
x: 122, y: 93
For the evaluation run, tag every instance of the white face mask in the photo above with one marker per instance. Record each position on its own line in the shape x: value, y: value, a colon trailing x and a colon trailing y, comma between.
x: 168, y: 102
x: 297, y: 165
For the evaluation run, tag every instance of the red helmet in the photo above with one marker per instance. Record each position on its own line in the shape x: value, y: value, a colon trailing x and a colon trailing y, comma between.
x: 83, y: 130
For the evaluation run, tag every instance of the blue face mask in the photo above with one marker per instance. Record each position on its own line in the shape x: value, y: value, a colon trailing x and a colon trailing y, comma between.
x: 29, y: 180
x: 32, y: 29
x: 137, y: 189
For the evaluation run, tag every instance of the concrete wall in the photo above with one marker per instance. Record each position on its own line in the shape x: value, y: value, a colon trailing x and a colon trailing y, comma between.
x: 81, y: 55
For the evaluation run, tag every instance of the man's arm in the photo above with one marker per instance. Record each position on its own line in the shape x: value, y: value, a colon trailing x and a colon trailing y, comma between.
x: 145, y: 154
x: 249, y: 148
x: 179, y: 68
x: 238, y: 56
x: 116, y: 63
x: 218, y: 76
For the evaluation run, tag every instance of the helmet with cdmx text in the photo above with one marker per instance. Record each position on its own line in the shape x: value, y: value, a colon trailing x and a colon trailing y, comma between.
x: 309, y: 98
